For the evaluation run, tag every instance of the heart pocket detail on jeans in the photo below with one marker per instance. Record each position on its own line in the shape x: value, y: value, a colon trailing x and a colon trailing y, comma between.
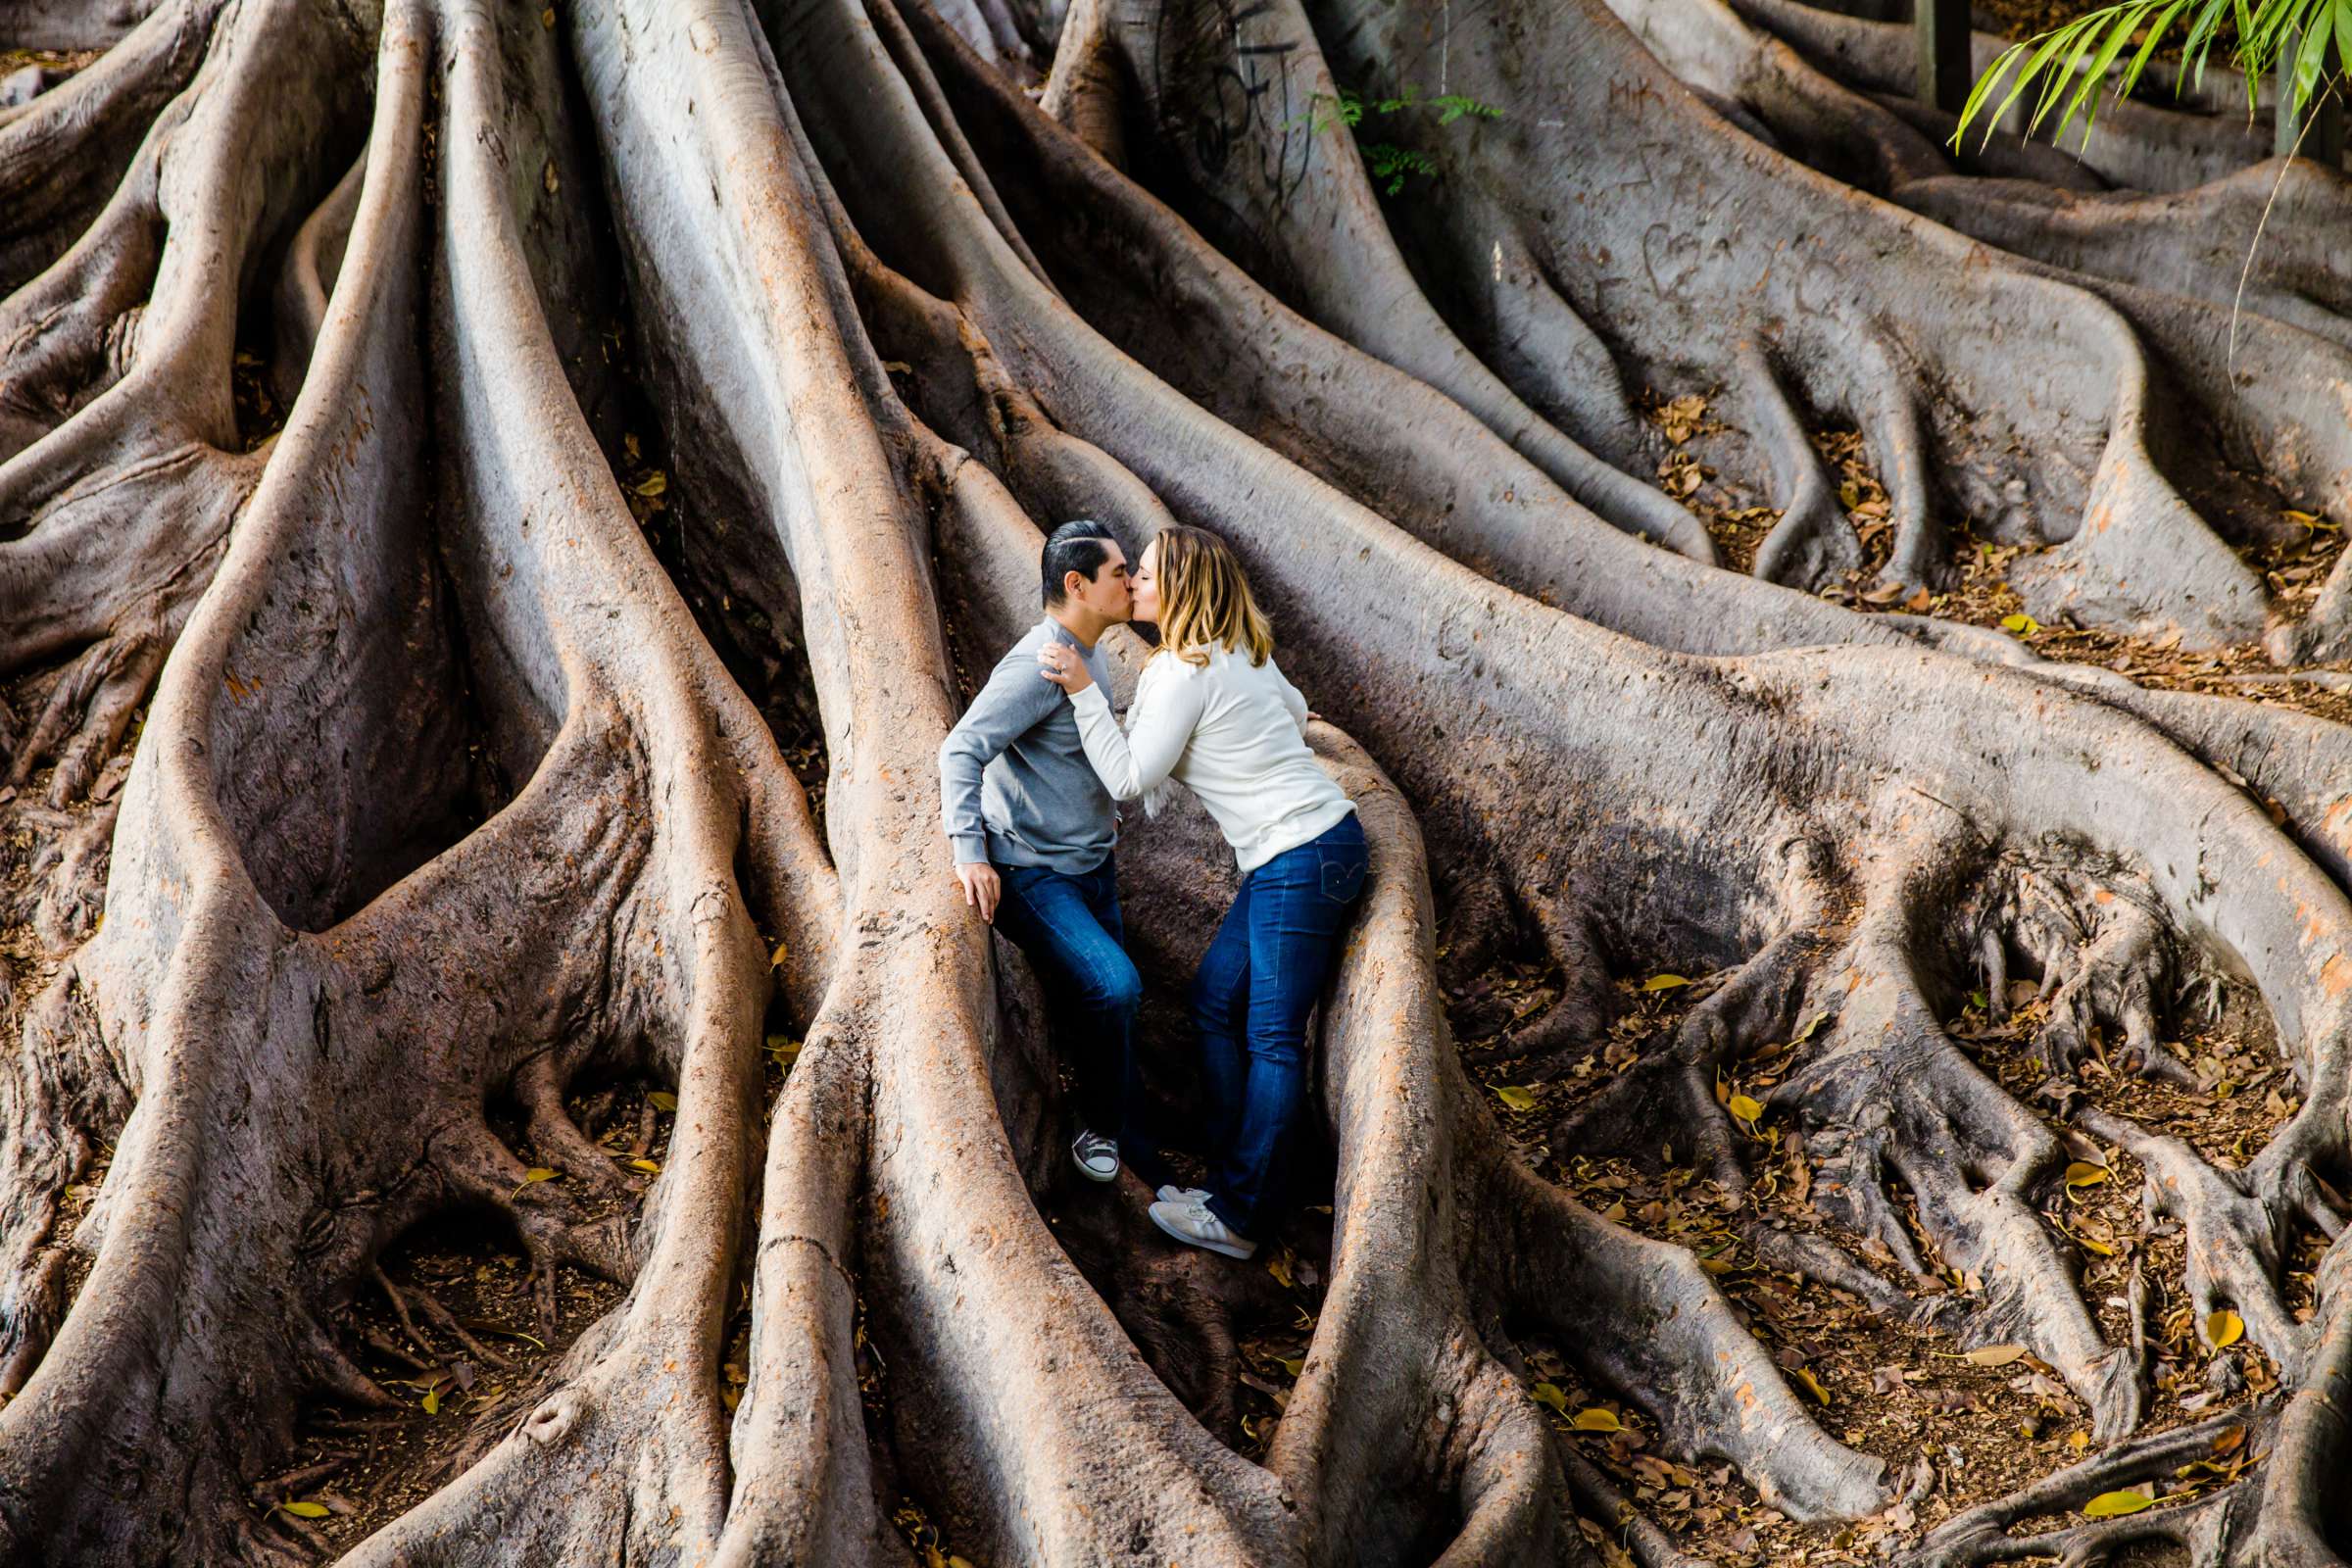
x: 1342, y: 879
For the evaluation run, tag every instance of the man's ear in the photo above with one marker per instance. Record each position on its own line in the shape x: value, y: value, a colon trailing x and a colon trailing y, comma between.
x: 1073, y: 583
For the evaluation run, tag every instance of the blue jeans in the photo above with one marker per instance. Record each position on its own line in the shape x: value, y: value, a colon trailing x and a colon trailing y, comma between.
x: 1250, y: 1002
x: 1069, y: 928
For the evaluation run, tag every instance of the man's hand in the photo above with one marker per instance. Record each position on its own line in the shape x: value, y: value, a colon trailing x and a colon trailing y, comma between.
x: 981, y: 888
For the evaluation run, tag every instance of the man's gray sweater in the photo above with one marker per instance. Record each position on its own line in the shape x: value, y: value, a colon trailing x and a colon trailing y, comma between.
x: 1014, y: 784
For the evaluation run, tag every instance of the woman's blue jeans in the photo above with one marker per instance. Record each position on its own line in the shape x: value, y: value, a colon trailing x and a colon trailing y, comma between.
x: 1250, y: 1002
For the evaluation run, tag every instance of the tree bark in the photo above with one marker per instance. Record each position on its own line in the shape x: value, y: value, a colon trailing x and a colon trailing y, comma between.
x: 412, y: 747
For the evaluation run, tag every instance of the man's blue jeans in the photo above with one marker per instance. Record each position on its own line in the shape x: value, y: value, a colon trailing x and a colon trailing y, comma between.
x: 1250, y: 1002
x: 1070, y: 927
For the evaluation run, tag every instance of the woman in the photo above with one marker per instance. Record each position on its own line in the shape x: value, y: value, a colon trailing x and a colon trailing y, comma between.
x: 1212, y: 713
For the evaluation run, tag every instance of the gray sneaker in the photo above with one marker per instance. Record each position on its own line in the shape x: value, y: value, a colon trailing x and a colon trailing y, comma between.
x: 1182, y: 1195
x: 1193, y: 1223
x: 1096, y: 1157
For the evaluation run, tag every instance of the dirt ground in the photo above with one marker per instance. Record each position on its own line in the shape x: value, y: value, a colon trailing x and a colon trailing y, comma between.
x: 1964, y: 1428
x: 2295, y: 565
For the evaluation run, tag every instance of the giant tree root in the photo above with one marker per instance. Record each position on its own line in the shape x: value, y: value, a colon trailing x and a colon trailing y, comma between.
x: 1396, y: 445
x: 1880, y: 341
x: 2170, y: 136
x: 823, y: 210
x: 61, y: 154
x: 1336, y: 410
x: 216, y: 1259
x: 2192, y: 236
x: 1003, y: 291
x: 121, y: 465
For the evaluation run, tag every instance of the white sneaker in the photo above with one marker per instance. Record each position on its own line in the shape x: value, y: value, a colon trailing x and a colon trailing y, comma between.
x: 1193, y: 1223
x: 1182, y: 1195
x: 1096, y: 1157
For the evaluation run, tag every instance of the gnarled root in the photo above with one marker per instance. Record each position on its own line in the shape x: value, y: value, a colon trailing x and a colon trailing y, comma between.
x: 2132, y: 551
x: 1106, y: 409
x: 61, y: 154
x: 634, y: 952
x: 307, y: 908
x: 2173, y: 134
x: 1279, y: 186
x: 122, y: 464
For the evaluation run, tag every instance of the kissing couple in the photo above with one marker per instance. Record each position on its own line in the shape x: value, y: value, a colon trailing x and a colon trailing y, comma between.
x: 1029, y: 781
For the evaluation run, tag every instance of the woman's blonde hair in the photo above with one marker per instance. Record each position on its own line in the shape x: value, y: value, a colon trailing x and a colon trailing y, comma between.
x: 1205, y: 600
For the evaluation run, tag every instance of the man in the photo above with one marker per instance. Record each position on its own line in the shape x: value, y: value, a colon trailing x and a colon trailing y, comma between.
x: 1033, y: 828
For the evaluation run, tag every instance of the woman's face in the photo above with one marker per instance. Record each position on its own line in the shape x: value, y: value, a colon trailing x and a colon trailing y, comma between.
x: 1144, y: 583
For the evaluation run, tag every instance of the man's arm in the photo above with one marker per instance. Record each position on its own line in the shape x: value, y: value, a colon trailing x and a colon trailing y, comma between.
x: 1010, y: 703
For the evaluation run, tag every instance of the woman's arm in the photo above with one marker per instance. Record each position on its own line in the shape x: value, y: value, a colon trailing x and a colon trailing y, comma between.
x: 1159, y: 725
x: 1290, y: 700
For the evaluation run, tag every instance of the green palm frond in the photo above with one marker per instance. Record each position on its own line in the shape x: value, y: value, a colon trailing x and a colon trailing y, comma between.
x: 2074, y: 67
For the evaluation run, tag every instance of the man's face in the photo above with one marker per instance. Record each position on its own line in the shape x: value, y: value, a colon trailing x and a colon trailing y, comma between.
x: 1109, y: 594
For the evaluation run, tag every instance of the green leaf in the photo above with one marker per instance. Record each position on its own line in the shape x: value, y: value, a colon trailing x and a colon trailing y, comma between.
x: 2114, y: 1504
x: 1452, y: 106
x: 304, y: 1510
x: 663, y: 1100
x: 2102, y: 40
x: 1395, y: 164
x: 1664, y: 982
x: 1515, y: 1097
x: 2023, y: 626
x: 2094, y: 80
x: 2257, y: 29
x: 2081, y: 33
x: 432, y: 1401
x: 2265, y: 32
x: 2046, y: 71
x: 1549, y: 1394
x: 1987, y: 84
x: 2082, y: 1173
x: 2140, y: 61
x: 652, y: 1167
x: 1596, y: 1419
x: 2051, y: 43
x: 2307, y: 60
x: 537, y: 1173
x: 1747, y: 1109
x: 2199, y: 43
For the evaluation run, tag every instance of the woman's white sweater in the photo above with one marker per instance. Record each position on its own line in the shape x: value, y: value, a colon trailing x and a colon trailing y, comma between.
x: 1230, y: 731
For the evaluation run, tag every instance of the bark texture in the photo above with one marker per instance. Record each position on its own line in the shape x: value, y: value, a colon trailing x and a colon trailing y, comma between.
x: 400, y: 768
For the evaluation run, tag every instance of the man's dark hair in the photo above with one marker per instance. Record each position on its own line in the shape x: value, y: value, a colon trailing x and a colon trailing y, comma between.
x: 1074, y: 547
